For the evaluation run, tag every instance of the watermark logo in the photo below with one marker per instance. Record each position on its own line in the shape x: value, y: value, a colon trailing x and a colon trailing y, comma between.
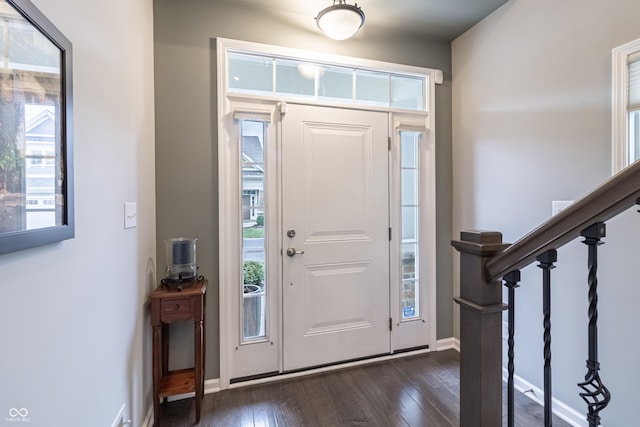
x: 18, y: 415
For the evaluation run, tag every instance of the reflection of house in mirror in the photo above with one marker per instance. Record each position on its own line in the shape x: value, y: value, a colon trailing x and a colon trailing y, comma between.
x: 252, y: 179
x: 40, y: 166
x: 32, y: 161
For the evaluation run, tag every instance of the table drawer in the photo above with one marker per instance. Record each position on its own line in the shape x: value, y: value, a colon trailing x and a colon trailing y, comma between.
x: 176, y: 306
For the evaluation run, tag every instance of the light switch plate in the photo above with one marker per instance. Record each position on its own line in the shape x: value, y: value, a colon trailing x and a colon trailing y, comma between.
x: 130, y: 215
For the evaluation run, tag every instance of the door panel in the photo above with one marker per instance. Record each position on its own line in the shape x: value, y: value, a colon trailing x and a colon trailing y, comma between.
x: 335, y: 197
x: 349, y: 311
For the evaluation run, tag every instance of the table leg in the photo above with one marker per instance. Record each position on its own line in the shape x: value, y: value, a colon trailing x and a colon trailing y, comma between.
x: 199, y: 363
x: 165, y: 352
x: 165, y: 349
x: 204, y: 340
x: 157, y: 372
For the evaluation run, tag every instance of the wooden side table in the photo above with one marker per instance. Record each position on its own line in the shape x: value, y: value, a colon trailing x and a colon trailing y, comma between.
x: 168, y: 306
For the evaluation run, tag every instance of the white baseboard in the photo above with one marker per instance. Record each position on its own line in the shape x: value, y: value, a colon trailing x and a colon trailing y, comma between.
x: 561, y: 409
x: 212, y: 386
x: 448, y: 344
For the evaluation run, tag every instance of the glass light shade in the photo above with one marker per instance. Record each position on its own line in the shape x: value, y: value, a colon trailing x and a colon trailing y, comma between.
x: 340, y: 21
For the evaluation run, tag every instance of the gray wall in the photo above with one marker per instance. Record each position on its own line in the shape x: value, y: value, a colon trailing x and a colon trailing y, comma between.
x: 74, y: 329
x: 532, y: 124
x: 186, y: 128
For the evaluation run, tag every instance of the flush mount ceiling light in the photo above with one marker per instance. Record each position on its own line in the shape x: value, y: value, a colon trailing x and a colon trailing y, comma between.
x: 341, y: 20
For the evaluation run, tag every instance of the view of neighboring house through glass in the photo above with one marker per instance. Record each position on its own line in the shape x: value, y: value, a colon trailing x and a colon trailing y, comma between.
x: 254, y: 286
x: 40, y: 166
x: 409, y: 183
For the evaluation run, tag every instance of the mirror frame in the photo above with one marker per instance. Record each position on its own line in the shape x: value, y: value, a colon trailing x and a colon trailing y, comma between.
x: 25, y: 239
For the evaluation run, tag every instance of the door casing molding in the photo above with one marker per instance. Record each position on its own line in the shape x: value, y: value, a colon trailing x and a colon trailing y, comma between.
x: 229, y: 177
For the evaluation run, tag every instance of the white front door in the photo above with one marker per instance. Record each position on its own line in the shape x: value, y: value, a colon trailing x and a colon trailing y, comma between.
x: 335, y: 217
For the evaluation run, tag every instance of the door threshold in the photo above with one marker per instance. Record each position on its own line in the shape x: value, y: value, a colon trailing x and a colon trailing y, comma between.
x: 254, y: 377
x: 281, y: 376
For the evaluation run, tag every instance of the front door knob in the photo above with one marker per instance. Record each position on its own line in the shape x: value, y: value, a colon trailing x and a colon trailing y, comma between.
x: 292, y: 252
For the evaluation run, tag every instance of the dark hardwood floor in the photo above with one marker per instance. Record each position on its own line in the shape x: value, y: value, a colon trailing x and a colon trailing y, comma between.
x: 416, y: 391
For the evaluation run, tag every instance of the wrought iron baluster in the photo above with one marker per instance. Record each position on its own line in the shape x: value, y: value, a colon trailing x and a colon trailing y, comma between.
x: 546, y: 261
x: 595, y: 394
x: 511, y: 281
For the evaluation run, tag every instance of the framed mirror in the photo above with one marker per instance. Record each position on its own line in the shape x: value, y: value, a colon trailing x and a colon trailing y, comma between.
x: 36, y: 147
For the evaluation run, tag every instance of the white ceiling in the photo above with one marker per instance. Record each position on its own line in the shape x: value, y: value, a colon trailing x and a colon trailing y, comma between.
x: 437, y: 19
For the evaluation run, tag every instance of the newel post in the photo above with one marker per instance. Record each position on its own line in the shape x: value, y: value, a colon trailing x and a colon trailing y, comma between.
x: 481, y: 309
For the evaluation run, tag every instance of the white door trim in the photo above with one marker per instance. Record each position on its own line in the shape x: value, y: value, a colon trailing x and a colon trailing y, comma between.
x: 406, y: 334
x: 228, y: 178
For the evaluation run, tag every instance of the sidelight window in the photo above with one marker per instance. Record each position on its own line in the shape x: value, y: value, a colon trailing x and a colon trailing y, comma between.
x: 410, y: 253
x: 254, y: 284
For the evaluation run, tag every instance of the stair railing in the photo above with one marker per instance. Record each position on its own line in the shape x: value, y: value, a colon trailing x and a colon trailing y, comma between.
x: 486, y: 261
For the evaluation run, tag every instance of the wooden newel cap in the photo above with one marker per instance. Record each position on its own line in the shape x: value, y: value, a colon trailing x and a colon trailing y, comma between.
x: 485, y: 243
x: 481, y: 237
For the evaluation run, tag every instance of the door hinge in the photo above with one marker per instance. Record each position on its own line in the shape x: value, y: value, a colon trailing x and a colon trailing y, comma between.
x: 389, y: 233
x: 389, y: 143
x: 390, y: 324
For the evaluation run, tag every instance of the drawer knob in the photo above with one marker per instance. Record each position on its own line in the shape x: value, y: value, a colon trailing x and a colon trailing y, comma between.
x: 176, y: 307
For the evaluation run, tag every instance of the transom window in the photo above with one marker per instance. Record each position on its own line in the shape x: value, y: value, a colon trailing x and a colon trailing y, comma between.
x: 268, y: 75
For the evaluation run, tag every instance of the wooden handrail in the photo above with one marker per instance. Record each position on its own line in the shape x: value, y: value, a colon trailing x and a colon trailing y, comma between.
x: 613, y: 197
